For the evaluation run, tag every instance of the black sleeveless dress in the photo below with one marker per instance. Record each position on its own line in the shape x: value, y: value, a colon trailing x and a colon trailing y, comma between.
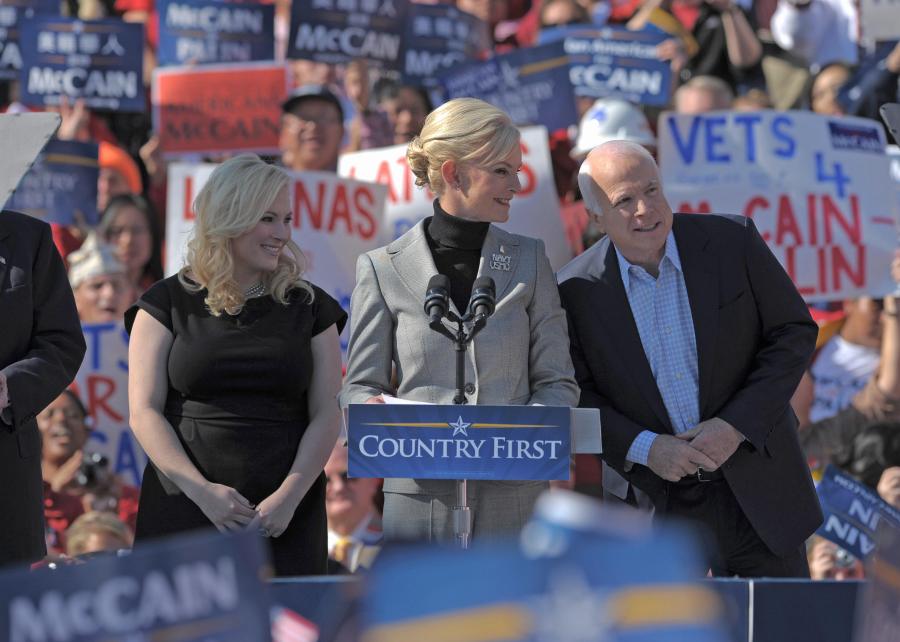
x: 238, y: 403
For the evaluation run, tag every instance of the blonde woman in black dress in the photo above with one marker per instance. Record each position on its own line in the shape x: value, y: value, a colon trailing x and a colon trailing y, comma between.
x: 234, y: 367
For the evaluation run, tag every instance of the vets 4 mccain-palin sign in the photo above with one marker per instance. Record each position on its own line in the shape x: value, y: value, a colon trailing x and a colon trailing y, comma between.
x: 459, y: 442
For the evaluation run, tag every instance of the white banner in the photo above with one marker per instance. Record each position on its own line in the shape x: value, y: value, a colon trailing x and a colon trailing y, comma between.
x: 102, y: 384
x: 534, y: 211
x: 335, y: 220
x: 817, y: 187
x: 880, y: 19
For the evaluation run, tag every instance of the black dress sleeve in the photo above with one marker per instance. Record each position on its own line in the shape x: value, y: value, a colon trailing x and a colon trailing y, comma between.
x: 326, y: 311
x: 157, y: 302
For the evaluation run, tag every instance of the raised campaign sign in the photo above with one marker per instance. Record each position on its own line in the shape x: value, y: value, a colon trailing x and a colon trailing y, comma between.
x: 100, y: 61
x: 618, y: 63
x: 209, y: 31
x: 533, y: 212
x: 438, y: 37
x: 61, y: 187
x: 817, y: 187
x: 853, y: 513
x: 196, y: 110
x: 459, y: 442
x: 531, y: 85
x: 12, y: 12
x: 194, y: 588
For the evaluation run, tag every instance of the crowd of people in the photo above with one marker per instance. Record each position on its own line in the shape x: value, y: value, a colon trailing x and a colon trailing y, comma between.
x: 237, y: 341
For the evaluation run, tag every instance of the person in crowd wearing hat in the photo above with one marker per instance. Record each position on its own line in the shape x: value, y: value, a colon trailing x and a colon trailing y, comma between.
x: 354, y: 517
x: 119, y: 174
x: 612, y: 119
x: 130, y: 226
x: 102, y: 292
x: 312, y: 128
x: 469, y: 155
x: 234, y: 366
x: 690, y: 338
x: 41, y: 348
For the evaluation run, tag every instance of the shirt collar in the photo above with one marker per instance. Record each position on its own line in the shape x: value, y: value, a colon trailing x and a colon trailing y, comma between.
x: 671, y: 253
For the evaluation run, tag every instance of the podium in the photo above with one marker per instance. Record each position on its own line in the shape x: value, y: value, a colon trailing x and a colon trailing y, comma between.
x: 462, y: 442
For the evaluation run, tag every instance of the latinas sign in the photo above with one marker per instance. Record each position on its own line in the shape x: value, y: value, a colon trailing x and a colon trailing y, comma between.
x: 459, y: 442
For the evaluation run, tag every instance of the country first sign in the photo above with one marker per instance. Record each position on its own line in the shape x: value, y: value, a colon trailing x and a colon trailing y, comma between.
x: 459, y: 442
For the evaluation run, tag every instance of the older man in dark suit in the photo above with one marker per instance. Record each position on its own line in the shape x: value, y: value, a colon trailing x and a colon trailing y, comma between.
x: 41, y: 347
x: 690, y: 338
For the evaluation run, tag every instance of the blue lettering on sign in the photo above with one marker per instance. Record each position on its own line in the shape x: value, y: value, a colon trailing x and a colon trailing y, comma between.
x: 838, y: 177
x: 714, y: 137
x: 685, y: 150
x: 749, y: 122
x: 92, y: 335
x: 790, y: 145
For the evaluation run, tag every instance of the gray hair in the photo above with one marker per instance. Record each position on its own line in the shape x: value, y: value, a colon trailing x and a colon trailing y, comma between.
x: 586, y: 182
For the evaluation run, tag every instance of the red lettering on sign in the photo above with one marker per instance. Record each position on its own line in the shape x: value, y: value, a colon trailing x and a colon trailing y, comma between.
x: 786, y: 222
x: 383, y: 176
x: 340, y: 210
x: 303, y: 205
x: 100, y: 389
x: 832, y: 213
x: 836, y: 268
x: 188, y: 198
x: 408, y: 179
x: 701, y: 208
x: 363, y: 198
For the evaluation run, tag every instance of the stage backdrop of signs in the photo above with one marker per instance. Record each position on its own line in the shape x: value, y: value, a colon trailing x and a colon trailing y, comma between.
x: 101, y: 61
x: 853, y: 513
x: 337, y: 31
x: 459, y: 442
x: 616, y: 62
x: 878, y: 19
x: 817, y: 187
x: 534, y: 211
x: 603, y: 587
x: 335, y: 220
x: 12, y: 12
x: 61, y: 187
x: 532, y: 85
x: 198, y: 110
x: 208, y: 31
x: 195, y: 588
x: 102, y: 385
x: 438, y: 37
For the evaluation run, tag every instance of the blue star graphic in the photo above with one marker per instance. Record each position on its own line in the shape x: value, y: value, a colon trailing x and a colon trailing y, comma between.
x: 459, y: 427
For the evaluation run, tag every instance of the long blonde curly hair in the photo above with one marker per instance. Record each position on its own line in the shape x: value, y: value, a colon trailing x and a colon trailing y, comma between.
x: 231, y: 203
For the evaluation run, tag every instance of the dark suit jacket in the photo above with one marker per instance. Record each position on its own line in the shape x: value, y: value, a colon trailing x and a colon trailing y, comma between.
x: 41, y: 347
x: 754, y: 340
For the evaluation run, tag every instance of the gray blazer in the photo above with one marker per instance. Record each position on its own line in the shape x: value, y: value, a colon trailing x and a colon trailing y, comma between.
x: 520, y: 357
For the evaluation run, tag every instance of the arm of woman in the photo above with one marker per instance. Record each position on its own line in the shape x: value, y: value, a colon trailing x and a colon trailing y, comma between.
x: 550, y: 372
x: 370, y: 353
x: 744, y: 48
x: 148, y: 353
x: 277, y: 510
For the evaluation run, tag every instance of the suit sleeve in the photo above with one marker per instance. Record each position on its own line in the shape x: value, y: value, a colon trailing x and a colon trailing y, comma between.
x: 370, y: 353
x: 788, y: 338
x: 550, y: 372
x: 57, y: 344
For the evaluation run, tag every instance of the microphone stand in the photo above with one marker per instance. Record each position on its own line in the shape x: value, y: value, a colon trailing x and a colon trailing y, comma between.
x: 462, y: 515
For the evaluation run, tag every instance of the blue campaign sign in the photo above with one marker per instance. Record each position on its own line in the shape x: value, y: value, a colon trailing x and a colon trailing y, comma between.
x: 100, y: 61
x: 617, y: 62
x: 853, y: 512
x: 459, y: 442
x: 61, y: 187
x: 208, y: 31
x: 195, y: 588
x: 337, y: 31
x: 531, y: 85
x: 438, y: 37
x: 12, y: 12
x: 615, y: 589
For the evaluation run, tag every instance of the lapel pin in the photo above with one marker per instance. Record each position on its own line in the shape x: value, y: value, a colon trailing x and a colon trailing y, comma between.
x: 501, y: 262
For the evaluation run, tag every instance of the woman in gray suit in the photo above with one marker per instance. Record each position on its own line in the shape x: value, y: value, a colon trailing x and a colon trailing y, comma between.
x: 469, y: 156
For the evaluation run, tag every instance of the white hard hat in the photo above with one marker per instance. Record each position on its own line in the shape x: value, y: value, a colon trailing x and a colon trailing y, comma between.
x: 612, y: 119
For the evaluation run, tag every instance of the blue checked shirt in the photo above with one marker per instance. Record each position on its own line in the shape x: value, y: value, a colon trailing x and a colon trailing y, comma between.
x: 662, y: 312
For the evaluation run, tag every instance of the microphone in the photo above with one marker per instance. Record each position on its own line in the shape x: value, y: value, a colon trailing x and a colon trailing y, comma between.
x: 484, y: 296
x: 437, y: 297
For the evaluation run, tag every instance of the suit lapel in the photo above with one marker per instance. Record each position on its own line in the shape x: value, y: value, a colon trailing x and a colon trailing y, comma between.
x: 412, y: 259
x: 702, y: 284
x: 612, y: 310
x: 499, y: 259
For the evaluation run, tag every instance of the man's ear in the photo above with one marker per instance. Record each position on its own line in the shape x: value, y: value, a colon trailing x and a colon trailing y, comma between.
x: 596, y: 219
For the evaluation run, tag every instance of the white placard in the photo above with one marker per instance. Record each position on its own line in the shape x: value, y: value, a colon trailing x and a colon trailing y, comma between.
x: 817, y: 187
x: 534, y: 211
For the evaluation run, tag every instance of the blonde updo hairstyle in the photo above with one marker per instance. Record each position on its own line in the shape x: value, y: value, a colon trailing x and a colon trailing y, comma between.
x: 462, y: 130
x: 233, y: 200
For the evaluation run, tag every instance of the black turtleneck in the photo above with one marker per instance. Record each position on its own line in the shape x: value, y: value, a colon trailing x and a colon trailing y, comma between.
x: 456, y: 247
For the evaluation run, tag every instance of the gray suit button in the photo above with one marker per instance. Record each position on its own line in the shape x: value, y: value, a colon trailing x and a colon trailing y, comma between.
x: 470, y: 388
